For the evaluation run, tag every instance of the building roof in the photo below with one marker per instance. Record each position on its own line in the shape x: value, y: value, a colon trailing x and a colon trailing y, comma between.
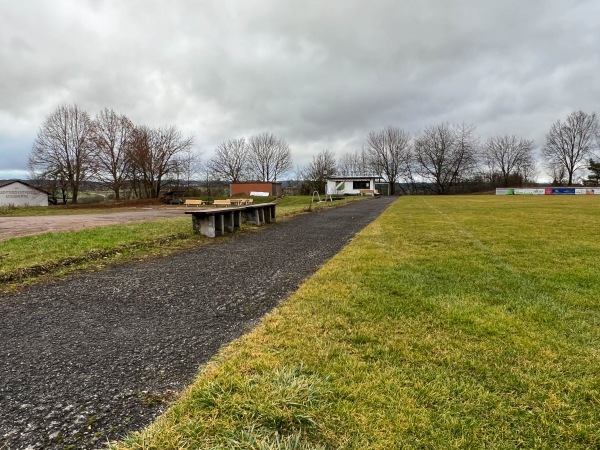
x: 256, y: 182
x: 353, y: 177
x: 8, y: 182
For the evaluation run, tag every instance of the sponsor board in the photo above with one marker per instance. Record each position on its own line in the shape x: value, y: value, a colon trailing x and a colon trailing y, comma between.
x: 547, y: 191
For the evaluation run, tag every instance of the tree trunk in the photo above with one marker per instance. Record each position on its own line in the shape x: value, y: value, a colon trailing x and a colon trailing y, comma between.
x: 391, y: 188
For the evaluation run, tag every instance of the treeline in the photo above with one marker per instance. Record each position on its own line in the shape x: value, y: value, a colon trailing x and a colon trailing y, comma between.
x: 440, y: 159
x: 452, y: 158
x: 72, y: 147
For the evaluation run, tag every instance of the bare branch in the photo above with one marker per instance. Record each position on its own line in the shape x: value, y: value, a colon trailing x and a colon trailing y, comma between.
x: 230, y: 160
x: 356, y: 163
x: 153, y: 153
x: 444, y: 154
x: 268, y: 157
x: 110, y: 136
x: 388, y: 152
x: 316, y: 172
x: 508, y: 156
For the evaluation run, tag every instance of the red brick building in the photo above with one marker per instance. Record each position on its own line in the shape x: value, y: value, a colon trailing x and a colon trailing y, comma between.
x: 248, y: 187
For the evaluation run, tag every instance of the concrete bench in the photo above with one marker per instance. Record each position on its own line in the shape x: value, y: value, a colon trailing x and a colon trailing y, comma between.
x: 260, y: 213
x: 217, y: 221
x: 221, y: 202
x: 192, y: 202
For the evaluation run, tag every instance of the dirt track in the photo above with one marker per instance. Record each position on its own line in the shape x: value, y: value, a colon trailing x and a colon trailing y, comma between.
x: 23, y: 226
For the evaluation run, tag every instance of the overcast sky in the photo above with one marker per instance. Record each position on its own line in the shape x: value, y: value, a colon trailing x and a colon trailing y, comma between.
x: 319, y: 74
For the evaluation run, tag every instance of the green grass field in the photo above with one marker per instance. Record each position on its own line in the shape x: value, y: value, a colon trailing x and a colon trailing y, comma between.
x: 450, y: 322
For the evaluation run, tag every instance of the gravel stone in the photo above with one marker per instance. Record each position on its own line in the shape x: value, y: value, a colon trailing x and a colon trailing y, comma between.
x: 89, y: 359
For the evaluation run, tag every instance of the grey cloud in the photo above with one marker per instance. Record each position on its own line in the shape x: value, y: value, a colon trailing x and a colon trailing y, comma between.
x: 319, y: 74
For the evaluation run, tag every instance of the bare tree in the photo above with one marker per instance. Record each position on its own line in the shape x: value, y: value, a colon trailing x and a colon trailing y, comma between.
x: 316, y: 172
x: 388, y: 152
x: 558, y: 173
x: 140, y: 155
x: 444, y: 154
x: 110, y: 136
x: 355, y: 163
x: 508, y: 155
x: 268, y: 157
x: 153, y: 154
x: 190, y: 165
x: 570, y: 143
x: 230, y: 160
x: 529, y: 171
x: 62, y: 148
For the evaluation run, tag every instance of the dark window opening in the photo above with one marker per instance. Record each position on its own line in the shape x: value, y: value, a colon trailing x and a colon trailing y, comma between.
x: 361, y: 185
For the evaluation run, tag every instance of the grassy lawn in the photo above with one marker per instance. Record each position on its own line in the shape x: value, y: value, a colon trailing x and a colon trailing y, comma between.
x: 456, y: 322
x: 39, y: 257
x: 25, y: 259
x: 81, y: 208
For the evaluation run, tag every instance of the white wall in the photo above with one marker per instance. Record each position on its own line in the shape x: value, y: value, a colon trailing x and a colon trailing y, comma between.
x: 347, y: 189
x: 18, y: 194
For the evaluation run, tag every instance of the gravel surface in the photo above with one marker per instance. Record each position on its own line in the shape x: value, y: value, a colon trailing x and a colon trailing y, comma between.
x: 88, y: 359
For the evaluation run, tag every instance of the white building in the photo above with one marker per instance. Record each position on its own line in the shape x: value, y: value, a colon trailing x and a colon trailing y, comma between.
x: 351, y: 185
x: 19, y: 193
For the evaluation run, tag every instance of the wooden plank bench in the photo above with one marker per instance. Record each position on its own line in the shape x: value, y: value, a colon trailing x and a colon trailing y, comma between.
x: 214, y: 222
x: 221, y: 202
x: 193, y: 202
x: 372, y: 192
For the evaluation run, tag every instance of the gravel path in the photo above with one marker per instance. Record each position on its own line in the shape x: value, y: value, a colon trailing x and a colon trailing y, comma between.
x: 88, y: 359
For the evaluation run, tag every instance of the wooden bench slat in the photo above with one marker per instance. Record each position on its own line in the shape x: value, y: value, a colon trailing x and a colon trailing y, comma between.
x: 193, y: 202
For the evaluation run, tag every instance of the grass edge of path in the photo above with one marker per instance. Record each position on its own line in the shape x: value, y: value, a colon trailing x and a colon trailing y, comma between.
x: 62, y: 258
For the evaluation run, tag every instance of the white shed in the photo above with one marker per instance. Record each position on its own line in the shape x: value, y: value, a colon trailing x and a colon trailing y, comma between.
x: 350, y: 185
x: 19, y: 193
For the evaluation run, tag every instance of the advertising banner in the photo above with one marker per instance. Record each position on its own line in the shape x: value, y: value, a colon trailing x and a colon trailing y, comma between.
x: 548, y: 191
x: 587, y: 191
x: 563, y: 191
x: 504, y: 191
x: 529, y: 191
